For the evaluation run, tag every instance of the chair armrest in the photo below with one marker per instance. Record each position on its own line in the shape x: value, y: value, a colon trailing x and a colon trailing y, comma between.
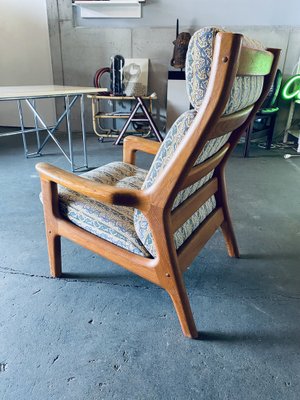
x: 133, y: 143
x: 98, y: 191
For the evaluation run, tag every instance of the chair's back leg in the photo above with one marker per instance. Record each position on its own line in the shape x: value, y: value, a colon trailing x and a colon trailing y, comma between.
x: 230, y: 239
x: 226, y: 226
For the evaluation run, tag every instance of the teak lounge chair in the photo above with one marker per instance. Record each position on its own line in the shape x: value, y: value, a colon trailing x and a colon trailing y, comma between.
x: 154, y: 223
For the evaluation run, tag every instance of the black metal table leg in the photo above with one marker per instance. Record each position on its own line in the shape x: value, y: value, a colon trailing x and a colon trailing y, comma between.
x: 247, y: 140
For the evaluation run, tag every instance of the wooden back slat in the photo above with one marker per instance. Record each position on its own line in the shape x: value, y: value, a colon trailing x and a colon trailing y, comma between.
x: 190, y: 248
x: 229, y: 123
x: 254, y: 62
x: 186, y: 209
x: 199, y: 171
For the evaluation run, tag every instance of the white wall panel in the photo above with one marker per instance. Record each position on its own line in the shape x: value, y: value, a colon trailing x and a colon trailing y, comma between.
x: 25, y: 54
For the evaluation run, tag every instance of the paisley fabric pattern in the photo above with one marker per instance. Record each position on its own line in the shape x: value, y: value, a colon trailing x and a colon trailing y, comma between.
x: 246, y: 90
x: 112, y: 223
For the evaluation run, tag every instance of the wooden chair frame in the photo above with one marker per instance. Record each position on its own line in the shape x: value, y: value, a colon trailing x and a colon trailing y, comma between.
x: 166, y: 269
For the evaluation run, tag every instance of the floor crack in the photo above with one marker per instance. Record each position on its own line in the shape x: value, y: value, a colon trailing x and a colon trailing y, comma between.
x: 271, y: 297
x: 10, y: 271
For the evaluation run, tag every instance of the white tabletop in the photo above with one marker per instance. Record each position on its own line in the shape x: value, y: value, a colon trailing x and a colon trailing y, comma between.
x: 25, y: 92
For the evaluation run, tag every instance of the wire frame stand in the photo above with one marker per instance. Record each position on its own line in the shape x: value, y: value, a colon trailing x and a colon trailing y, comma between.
x: 134, y: 118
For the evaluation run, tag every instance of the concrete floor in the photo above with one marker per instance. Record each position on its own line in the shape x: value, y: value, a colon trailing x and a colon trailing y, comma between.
x: 102, y: 333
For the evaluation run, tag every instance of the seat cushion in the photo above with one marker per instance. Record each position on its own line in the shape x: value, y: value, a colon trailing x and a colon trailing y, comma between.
x: 112, y: 223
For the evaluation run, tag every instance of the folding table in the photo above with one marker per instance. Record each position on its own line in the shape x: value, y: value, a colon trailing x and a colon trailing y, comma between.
x: 29, y: 95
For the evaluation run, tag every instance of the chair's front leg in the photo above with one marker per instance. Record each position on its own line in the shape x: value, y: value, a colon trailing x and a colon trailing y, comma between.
x: 50, y: 202
x: 168, y: 271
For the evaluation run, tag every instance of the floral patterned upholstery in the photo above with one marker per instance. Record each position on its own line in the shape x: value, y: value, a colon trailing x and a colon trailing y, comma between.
x: 246, y: 90
x: 112, y: 223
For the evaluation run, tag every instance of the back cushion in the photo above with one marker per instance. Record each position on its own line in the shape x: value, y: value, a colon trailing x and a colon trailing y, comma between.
x: 246, y: 90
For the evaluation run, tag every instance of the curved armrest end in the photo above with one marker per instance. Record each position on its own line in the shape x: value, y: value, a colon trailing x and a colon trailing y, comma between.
x: 98, y: 191
x: 133, y: 143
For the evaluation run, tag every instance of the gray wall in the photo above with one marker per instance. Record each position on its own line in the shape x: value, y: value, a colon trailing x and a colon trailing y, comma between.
x: 194, y: 13
x: 79, y: 47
